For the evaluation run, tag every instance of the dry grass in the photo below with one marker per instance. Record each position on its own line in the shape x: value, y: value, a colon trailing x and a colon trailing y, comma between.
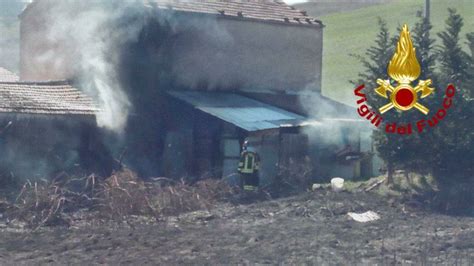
x: 121, y: 195
x: 124, y: 194
x: 44, y: 202
x: 295, y: 175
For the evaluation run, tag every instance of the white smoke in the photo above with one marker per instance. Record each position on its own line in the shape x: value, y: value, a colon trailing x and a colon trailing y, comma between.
x: 9, y: 34
x: 89, y: 46
x: 338, y: 123
x: 87, y: 38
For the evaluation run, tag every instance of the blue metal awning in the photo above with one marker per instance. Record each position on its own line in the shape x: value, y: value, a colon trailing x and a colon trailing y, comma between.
x: 243, y: 112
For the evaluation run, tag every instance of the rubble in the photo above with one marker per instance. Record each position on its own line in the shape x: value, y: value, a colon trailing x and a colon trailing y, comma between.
x: 365, y: 217
x: 316, y: 187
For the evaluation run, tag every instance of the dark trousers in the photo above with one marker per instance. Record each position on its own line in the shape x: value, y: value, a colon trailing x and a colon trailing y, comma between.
x: 250, y: 179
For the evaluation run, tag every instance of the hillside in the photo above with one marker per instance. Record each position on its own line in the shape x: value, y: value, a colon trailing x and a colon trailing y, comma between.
x: 354, y: 31
x: 319, y: 8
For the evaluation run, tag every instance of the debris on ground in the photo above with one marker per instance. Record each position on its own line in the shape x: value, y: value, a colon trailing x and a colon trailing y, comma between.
x: 337, y: 184
x: 365, y: 217
x: 316, y: 187
x: 376, y: 184
x: 310, y: 228
x: 122, y: 195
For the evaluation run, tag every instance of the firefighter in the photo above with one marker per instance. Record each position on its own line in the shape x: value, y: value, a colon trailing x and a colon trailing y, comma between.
x: 248, y: 168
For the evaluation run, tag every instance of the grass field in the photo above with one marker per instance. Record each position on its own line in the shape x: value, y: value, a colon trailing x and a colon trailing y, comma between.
x: 354, y: 32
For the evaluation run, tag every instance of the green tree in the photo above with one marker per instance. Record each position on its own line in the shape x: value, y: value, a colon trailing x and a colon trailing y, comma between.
x: 470, y: 43
x: 397, y: 151
x: 453, y: 141
x: 454, y: 62
x: 446, y: 150
x: 376, y: 58
x: 375, y: 62
x: 416, y: 148
x: 424, y: 44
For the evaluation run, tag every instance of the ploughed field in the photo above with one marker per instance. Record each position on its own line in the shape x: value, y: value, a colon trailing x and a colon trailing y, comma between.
x: 309, y: 228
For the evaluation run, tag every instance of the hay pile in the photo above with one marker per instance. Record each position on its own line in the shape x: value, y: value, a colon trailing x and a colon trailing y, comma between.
x: 119, y: 196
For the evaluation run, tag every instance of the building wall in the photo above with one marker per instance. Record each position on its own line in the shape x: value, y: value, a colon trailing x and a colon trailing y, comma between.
x: 186, y: 52
x: 203, y: 52
x: 325, y: 141
x: 234, y: 54
x: 267, y: 147
x: 41, y: 146
x: 230, y: 148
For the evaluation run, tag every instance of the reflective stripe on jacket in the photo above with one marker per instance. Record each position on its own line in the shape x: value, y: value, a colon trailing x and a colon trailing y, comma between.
x: 248, y: 162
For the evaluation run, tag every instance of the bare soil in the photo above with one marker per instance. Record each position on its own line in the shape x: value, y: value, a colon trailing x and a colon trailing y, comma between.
x: 310, y: 228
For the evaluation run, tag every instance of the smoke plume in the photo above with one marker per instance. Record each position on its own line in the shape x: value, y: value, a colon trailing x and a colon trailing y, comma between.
x: 9, y: 34
x: 86, y: 43
x: 338, y: 122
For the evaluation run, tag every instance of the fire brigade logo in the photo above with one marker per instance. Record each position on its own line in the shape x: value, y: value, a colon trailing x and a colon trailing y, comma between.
x: 404, y: 68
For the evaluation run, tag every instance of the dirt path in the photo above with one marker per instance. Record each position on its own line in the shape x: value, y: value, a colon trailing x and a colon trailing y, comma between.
x: 310, y: 228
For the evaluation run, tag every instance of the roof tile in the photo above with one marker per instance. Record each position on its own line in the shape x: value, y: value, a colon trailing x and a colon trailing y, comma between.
x: 264, y: 10
x: 53, y: 97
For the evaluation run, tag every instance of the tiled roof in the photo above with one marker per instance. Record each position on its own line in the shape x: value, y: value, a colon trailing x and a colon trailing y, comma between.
x: 7, y: 76
x: 262, y: 10
x: 259, y: 10
x: 53, y: 97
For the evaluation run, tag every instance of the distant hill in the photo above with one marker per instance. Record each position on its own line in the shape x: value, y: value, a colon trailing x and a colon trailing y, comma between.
x: 354, y: 31
x: 318, y: 8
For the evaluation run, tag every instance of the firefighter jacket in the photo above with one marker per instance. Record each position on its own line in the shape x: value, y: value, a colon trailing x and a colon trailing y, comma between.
x: 249, y: 162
